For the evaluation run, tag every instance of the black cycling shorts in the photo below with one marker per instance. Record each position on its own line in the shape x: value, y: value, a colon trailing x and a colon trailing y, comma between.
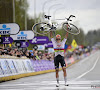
x: 59, y: 59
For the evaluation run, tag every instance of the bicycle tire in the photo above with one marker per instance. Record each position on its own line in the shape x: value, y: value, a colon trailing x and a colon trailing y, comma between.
x: 37, y: 26
x: 71, y: 28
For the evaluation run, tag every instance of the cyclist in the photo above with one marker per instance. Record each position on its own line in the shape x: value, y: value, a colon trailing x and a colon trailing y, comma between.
x: 59, y: 56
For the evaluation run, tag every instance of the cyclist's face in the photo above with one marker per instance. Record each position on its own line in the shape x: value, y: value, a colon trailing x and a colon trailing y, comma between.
x: 58, y: 39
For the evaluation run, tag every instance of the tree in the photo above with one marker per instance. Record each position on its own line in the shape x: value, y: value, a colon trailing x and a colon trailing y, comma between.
x: 6, y: 11
x: 93, y: 36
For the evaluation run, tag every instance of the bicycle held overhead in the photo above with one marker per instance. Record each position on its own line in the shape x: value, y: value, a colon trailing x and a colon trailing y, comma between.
x: 43, y: 28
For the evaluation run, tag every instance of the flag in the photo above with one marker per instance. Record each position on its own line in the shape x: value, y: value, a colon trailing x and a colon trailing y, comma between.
x: 9, y: 45
x: 74, y: 44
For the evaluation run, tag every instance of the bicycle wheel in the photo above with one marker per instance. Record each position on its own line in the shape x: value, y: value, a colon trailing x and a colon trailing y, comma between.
x: 71, y: 28
x: 41, y: 28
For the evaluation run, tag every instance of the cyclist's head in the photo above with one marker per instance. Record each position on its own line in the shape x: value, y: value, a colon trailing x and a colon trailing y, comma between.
x: 58, y: 37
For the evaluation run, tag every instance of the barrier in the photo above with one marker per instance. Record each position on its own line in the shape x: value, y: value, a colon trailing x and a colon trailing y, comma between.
x: 16, y: 68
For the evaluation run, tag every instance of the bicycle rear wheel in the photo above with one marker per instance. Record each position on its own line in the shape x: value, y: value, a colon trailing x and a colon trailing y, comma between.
x: 41, y: 28
x: 70, y: 28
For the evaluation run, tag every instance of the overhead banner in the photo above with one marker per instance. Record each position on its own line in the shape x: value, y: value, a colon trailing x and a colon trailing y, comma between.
x: 39, y: 40
x: 23, y: 35
x: 24, y: 44
x: 9, y: 28
x: 7, y: 40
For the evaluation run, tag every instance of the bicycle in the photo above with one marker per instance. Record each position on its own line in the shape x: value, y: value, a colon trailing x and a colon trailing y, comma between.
x: 43, y: 28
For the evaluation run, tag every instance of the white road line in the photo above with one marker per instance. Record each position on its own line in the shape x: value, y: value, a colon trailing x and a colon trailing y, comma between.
x: 87, y: 71
x: 50, y: 85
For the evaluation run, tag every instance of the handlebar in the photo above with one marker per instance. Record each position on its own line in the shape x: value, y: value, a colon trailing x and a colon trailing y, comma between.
x: 48, y: 17
x: 70, y: 17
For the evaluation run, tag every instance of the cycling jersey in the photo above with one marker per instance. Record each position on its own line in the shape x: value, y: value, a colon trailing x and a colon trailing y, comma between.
x: 59, y: 47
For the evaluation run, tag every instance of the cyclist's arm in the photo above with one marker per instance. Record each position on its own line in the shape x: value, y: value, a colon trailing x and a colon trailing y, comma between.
x: 51, y: 34
x: 66, y: 36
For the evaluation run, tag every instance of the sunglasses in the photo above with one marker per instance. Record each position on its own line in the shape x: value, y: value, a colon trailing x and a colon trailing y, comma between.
x: 58, y: 39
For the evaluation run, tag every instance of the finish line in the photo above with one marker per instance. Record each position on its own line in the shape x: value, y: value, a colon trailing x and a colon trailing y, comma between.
x: 51, y: 85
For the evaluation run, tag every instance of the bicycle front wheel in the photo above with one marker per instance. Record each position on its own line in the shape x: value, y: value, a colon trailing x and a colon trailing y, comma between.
x: 70, y: 28
x: 41, y: 28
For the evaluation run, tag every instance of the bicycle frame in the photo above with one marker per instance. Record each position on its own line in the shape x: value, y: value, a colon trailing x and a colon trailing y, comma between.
x: 50, y: 22
x: 50, y: 26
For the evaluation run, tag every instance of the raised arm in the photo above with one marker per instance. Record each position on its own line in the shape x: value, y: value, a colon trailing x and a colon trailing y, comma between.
x: 66, y: 36
x: 51, y: 34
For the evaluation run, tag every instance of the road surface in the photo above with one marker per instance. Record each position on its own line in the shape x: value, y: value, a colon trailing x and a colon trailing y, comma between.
x: 84, y: 75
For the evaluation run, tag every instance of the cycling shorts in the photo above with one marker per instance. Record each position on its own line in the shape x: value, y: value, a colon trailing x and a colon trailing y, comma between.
x: 59, y: 59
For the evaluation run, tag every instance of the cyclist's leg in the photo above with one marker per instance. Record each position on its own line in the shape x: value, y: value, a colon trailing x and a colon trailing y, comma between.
x: 62, y: 62
x: 56, y: 62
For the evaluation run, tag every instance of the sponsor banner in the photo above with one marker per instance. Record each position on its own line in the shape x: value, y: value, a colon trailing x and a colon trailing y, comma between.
x: 1, y: 72
x: 4, y: 66
x: 50, y: 50
x: 49, y: 44
x: 24, y: 44
x: 28, y: 65
x: 41, y: 47
x: 7, y: 40
x: 11, y: 65
x: 39, y: 40
x: 23, y: 35
x: 9, y: 28
x: 20, y: 66
x: 16, y: 65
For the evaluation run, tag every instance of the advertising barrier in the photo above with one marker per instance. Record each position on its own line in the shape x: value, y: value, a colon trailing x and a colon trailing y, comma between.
x: 10, y: 67
x: 5, y: 68
x: 16, y: 68
x: 1, y: 72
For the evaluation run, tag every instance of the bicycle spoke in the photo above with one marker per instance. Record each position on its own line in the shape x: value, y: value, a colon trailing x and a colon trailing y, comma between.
x: 41, y: 28
x: 71, y: 28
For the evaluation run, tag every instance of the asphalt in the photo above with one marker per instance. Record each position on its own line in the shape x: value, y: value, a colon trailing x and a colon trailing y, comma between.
x: 81, y: 76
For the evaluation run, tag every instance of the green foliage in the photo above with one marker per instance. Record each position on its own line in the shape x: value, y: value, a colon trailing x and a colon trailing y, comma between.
x: 6, y: 11
x: 93, y: 37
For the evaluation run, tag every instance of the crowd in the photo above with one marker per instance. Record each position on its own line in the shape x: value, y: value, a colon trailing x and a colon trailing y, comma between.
x: 78, y: 52
x: 39, y: 55
x: 23, y: 52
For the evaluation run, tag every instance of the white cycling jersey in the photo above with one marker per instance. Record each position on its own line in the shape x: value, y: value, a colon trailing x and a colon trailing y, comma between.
x: 58, y: 47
